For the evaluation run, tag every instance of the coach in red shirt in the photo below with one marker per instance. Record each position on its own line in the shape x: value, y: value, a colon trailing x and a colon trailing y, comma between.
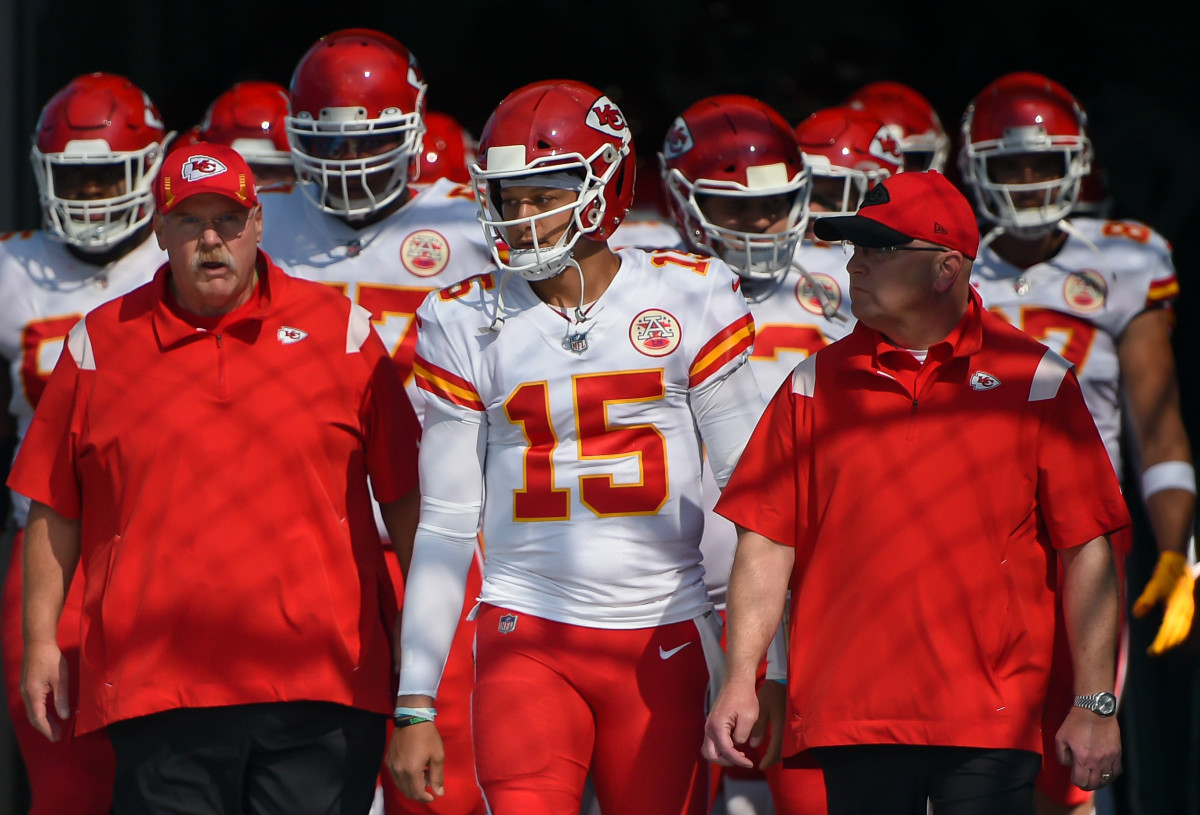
x: 202, y: 451
x: 910, y: 485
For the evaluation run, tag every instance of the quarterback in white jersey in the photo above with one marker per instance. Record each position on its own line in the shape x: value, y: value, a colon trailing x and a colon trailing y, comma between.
x: 568, y: 397
x: 631, y: 376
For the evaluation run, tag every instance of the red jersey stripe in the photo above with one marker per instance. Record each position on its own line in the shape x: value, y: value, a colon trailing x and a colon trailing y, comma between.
x: 735, y: 339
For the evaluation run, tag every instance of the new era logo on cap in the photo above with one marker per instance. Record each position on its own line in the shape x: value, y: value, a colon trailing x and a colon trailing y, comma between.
x: 908, y: 207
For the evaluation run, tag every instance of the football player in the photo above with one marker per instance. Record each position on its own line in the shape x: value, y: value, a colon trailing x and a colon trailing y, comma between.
x: 98, y: 144
x: 448, y: 148
x: 568, y: 393
x: 912, y: 120
x: 1099, y: 293
x: 354, y: 221
x: 249, y: 117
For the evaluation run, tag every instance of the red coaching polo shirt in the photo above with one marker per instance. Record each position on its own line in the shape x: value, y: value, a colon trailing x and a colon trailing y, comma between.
x: 219, y: 471
x: 924, y: 503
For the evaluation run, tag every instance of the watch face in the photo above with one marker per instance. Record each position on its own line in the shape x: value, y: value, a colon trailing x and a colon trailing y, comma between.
x: 1106, y: 704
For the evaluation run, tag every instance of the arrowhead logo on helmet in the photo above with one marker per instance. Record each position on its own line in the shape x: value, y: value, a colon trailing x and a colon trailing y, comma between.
x: 679, y: 139
x: 607, y: 118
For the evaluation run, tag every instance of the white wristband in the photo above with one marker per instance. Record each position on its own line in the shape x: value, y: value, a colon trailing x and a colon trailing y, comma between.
x: 1168, y: 475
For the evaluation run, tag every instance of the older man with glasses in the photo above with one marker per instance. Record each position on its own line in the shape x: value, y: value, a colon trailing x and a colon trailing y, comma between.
x: 202, y: 452
x: 910, y: 484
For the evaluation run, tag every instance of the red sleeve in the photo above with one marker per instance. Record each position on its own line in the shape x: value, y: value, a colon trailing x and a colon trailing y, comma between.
x: 44, y: 469
x: 763, y: 494
x: 390, y: 426
x: 1078, y: 493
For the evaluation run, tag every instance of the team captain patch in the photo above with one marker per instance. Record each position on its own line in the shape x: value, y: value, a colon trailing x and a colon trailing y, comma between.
x: 655, y: 332
x: 425, y: 253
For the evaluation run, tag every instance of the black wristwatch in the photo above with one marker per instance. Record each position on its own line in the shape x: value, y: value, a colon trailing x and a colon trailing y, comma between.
x: 1102, y: 703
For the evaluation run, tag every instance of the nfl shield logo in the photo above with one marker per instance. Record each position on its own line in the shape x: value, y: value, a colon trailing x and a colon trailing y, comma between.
x: 508, y: 623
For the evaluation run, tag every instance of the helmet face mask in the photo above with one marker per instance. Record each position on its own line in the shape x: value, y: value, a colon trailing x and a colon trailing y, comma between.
x: 751, y: 254
x: 729, y: 163
x: 357, y: 103
x: 98, y: 146
x: 840, y: 190
x: 556, y: 135
x: 544, y: 256
x: 1025, y: 120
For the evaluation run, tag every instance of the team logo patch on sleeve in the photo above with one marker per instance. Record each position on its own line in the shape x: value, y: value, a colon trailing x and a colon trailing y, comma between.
x: 1085, y: 291
x: 655, y: 333
x: 425, y: 253
x: 983, y: 381
x: 806, y: 295
x: 508, y: 623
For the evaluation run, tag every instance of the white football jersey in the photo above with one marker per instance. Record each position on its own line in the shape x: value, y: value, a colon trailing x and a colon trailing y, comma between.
x: 644, y: 230
x: 388, y: 267
x: 44, y: 291
x: 592, y: 458
x: 1080, y: 301
x: 789, y: 326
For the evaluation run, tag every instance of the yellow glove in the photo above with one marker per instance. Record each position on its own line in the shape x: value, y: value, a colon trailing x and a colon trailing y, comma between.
x: 1172, y: 581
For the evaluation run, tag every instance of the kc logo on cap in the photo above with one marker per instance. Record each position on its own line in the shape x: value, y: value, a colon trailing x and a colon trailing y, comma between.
x: 198, y: 167
x: 203, y: 168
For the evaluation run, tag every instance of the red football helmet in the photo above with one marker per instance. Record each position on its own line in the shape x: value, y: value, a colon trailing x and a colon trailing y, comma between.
x: 249, y: 117
x: 99, y: 143
x: 447, y: 150
x: 556, y: 129
x: 735, y: 146
x: 188, y: 138
x: 1022, y: 115
x: 923, y: 141
x: 357, y: 109
x: 850, y: 147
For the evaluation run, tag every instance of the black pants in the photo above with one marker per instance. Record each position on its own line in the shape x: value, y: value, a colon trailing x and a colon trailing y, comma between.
x: 287, y: 758
x: 897, y: 779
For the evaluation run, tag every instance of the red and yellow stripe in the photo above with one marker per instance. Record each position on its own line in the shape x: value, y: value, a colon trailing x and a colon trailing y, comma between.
x: 440, y: 382
x: 735, y: 339
x: 1166, y: 288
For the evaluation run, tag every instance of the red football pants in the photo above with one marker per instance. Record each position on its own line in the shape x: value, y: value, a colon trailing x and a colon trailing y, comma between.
x: 75, y: 774
x: 554, y: 700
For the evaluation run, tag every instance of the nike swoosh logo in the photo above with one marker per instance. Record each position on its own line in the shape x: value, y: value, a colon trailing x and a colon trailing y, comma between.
x: 662, y: 654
